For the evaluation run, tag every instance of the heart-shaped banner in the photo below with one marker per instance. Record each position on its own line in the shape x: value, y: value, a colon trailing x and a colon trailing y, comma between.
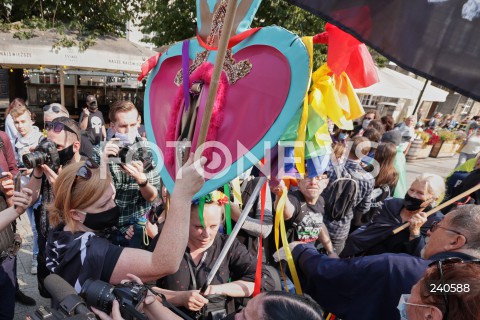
x: 250, y: 114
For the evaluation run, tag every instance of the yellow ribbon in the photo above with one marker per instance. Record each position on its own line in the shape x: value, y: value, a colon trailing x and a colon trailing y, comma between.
x: 280, y: 230
x: 237, y: 193
x: 299, y: 149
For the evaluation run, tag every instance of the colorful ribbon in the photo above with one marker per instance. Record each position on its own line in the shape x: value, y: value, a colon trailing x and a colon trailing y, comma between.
x: 258, y: 271
x: 228, y: 215
x: 280, y: 230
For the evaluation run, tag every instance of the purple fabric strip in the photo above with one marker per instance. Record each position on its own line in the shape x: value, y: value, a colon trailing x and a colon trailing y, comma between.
x: 186, y: 73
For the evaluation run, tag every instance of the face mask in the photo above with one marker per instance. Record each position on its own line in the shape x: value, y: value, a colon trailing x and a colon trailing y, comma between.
x: 365, y: 124
x: 101, y: 220
x: 127, y: 137
x: 413, y: 204
x: 342, y: 136
x: 66, y: 155
x: 402, y: 307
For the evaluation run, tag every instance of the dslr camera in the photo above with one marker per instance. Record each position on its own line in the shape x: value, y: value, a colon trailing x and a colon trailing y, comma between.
x: 45, y: 153
x: 100, y: 295
x: 128, y: 152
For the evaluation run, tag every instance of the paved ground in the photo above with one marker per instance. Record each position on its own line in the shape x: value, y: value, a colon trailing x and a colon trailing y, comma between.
x: 28, y: 283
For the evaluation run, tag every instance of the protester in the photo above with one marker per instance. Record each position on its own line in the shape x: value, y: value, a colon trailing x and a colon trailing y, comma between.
x: 370, y: 287
x: 91, y: 120
x: 84, y: 207
x: 279, y: 305
x: 470, y: 148
x: 64, y: 132
x: 9, y: 124
x: 386, y: 178
x: 369, y: 116
x: 377, y: 125
x: 388, y: 123
x: 304, y: 212
x: 9, y: 291
x: 137, y: 182
x: 450, y: 289
x: 377, y: 237
x: 236, y: 275
x: 338, y: 228
x: 28, y: 134
x: 407, y: 130
x: 469, y: 181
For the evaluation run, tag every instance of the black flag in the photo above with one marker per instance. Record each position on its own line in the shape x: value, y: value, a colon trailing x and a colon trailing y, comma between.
x: 437, y: 39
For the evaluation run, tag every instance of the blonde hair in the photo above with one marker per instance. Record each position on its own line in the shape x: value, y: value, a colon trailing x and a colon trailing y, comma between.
x: 435, y: 184
x: 71, y: 192
x: 19, y: 110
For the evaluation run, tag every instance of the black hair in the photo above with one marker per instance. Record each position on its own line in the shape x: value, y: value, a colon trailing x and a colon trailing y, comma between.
x: 283, y: 305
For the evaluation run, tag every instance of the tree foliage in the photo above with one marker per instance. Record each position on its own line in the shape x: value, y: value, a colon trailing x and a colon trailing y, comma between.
x: 87, y: 19
x: 172, y: 21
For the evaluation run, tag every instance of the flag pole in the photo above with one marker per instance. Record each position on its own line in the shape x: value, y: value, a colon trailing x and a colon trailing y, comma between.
x: 217, y: 71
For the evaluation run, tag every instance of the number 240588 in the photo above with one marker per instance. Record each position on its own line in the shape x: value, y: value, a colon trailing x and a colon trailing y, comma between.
x: 442, y: 288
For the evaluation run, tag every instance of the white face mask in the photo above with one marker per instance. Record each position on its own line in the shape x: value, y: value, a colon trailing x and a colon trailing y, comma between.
x: 365, y: 124
x: 127, y: 137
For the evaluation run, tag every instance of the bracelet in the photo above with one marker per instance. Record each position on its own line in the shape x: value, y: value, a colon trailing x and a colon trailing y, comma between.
x: 33, y: 175
x: 143, y: 184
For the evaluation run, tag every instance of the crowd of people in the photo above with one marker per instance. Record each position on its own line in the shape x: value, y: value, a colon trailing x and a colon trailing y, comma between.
x: 97, y: 215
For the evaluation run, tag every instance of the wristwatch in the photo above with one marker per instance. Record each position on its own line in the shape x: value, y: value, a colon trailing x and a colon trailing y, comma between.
x: 143, y: 184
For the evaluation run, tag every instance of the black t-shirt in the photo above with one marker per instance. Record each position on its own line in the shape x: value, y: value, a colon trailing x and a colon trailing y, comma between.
x: 308, y: 229
x: 79, y: 256
x: 94, y: 125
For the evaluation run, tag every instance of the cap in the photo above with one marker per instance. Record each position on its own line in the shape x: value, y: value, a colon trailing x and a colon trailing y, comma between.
x: 91, y: 100
x: 393, y: 136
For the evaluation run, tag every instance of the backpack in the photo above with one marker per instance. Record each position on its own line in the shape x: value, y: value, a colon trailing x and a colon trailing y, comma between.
x: 340, y: 197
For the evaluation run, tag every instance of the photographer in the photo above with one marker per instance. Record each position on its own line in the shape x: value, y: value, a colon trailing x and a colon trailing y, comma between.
x: 151, y: 306
x: 84, y: 207
x: 136, y: 185
x: 65, y: 133
x: 21, y: 201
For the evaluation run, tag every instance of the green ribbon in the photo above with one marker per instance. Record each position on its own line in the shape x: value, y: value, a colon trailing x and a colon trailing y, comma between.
x: 201, y: 204
x: 228, y: 216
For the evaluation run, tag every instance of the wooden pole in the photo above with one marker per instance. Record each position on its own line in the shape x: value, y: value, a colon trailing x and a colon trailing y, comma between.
x: 440, y: 207
x: 217, y: 71
x: 62, y: 87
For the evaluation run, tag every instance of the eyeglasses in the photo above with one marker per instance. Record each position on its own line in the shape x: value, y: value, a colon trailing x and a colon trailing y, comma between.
x: 435, y: 226
x: 54, y: 107
x: 58, y: 127
x: 368, y: 118
x: 85, y: 171
x: 446, y: 262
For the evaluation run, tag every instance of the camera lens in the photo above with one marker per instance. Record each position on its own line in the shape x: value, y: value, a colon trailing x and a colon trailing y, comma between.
x: 34, y: 159
x: 98, y: 294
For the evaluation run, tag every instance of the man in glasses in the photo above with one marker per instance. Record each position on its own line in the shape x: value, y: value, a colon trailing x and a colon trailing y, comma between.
x: 370, y: 287
x: 91, y: 120
x: 66, y: 134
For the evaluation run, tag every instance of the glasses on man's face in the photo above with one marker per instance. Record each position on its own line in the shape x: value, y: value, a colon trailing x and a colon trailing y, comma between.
x: 55, y: 108
x: 57, y: 127
x: 445, y: 263
x: 435, y: 225
x: 85, y: 171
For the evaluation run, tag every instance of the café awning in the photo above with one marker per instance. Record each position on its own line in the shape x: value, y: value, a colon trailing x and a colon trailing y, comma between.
x: 394, y: 84
x: 107, y: 54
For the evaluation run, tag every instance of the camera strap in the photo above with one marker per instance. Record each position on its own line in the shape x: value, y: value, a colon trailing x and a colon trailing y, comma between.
x: 170, y: 306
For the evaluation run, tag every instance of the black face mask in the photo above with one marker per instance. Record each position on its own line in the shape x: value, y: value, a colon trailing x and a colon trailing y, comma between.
x: 102, y: 220
x: 413, y: 204
x: 66, y: 155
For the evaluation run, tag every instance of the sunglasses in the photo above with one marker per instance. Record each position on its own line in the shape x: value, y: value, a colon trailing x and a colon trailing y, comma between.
x: 435, y: 226
x: 57, y: 127
x: 447, y: 262
x: 85, y: 171
x: 55, y: 108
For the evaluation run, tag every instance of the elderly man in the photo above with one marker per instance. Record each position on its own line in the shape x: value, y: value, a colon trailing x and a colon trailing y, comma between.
x: 370, y: 287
